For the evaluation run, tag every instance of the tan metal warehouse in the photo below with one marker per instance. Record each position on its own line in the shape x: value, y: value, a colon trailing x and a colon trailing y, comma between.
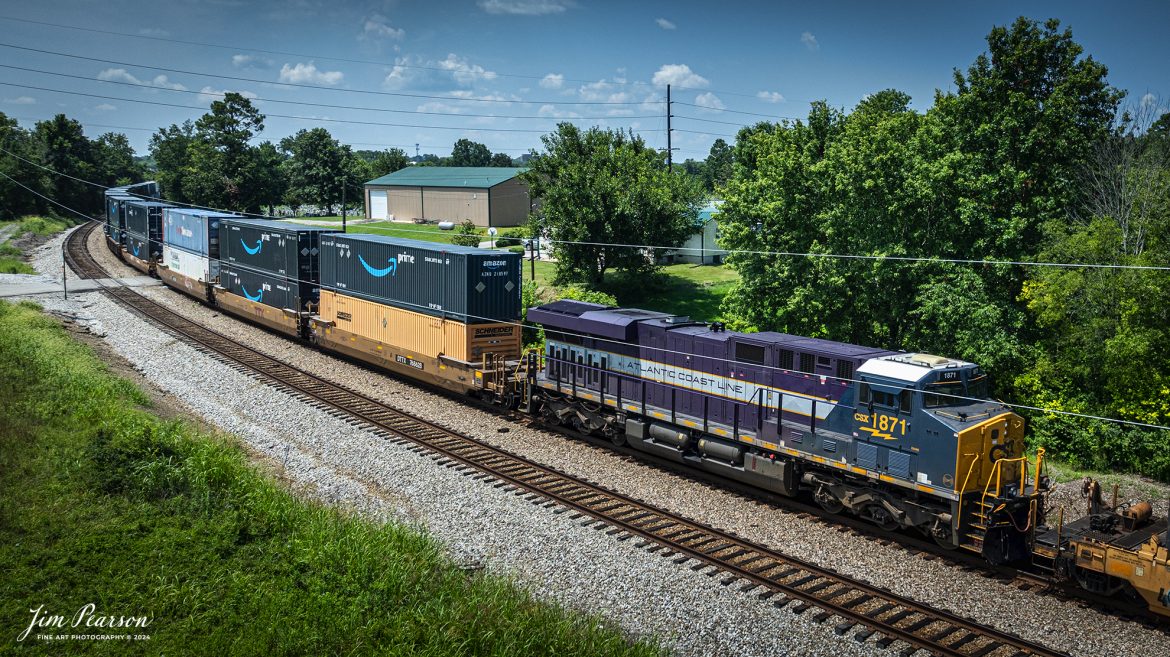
x: 488, y: 196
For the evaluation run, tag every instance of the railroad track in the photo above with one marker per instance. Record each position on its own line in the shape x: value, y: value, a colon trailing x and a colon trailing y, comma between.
x: 869, y: 611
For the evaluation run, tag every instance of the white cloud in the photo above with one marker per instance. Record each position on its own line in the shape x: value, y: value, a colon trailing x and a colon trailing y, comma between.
x: 378, y: 26
x: 809, y: 41
x: 251, y: 61
x: 665, y: 24
x: 154, y: 32
x: 552, y: 81
x: 209, y: 94
x: 552, y: 112
x: 21, y: 100
x: 105, y: 107
x: 309, y: 74
x: 525, y: 7
x: 770, y: 96
x: 679, y: 75
x: 464, y: 72
x: 1149, y: 100
x: 709, y: 101
x: 415, y: 73
x: 436, y: 106
x: 122, y: 75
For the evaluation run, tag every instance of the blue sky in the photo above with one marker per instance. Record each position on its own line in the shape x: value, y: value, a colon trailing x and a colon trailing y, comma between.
x: 544, y: 59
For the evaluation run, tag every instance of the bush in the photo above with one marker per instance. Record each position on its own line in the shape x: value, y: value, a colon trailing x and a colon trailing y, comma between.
x: 512, y: 237
x: 516, y: 249
x: 467, y: 234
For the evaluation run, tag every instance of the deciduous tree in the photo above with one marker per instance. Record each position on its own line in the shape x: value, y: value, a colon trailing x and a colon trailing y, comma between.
x: 608, y: 187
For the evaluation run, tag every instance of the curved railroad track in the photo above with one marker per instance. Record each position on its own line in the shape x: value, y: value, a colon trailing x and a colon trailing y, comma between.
x: 854, y: 606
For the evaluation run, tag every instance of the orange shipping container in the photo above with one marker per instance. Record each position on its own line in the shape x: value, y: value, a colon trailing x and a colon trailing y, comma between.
x: 417, y: 333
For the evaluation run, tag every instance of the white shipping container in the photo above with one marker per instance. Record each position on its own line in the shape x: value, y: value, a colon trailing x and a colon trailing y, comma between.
x: 191, y: 265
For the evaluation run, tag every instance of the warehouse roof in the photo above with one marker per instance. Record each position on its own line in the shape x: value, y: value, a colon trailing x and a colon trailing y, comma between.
x: 474, y: 177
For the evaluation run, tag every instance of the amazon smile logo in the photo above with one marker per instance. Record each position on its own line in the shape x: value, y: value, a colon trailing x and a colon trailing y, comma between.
x: 259, y: 295
x: 252, y: 250
x: 379, y: 273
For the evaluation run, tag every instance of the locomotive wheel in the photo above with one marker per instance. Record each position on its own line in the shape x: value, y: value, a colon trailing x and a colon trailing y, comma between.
x: 879, y: 516
x: 618, y: 438
x: 828, y: 501
x: 942, y: 537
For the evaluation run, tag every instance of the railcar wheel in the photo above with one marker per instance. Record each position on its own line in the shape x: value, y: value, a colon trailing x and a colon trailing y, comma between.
x: 828, y: 501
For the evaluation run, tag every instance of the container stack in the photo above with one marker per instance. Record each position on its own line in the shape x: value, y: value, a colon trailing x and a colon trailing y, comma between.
x: 274, y: 263
x: 191, y: 242
x: 425, y: 298
x: 116, y: 200
x: 144, y: 229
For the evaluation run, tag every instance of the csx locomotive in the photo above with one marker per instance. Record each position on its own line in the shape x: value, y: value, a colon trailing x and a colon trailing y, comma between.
x: 904, y: 440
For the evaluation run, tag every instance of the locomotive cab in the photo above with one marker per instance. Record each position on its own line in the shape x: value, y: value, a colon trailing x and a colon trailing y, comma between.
x: 929, y: 419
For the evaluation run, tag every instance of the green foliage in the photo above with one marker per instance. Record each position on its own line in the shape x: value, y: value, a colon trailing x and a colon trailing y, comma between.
x: 500, y: 160
x: 607, y: 186
x: 114, y: 160
x: 885, y: 180
x: 467, y: 234
x: 14, y: 199
x: 101, y: 502
x: 578, y: 293
x: 512, y: 237
x: 467, y: 153
x: 517, y: 249
x: 719, y: 167
x: 67, y: 151
x: 388, y: 161
x: 317, y: 168
x: 170, y: 150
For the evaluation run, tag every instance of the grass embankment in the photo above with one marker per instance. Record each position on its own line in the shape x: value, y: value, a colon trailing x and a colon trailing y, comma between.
x: 11, y: 257
x: 102, y: 502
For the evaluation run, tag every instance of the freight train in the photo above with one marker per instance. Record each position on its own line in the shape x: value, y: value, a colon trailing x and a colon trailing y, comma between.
x: 903, y: 440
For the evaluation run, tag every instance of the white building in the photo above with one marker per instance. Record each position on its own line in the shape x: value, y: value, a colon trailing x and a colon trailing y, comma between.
x: 701, y: 248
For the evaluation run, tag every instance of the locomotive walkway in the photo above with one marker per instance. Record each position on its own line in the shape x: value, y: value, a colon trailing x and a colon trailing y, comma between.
x: 871, y: 613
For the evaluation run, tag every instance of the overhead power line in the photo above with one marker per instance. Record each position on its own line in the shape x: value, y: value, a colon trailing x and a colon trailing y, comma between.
x: 220, y: 94
x: 395, y: 94
x: 730, y: 111
x: 338, y: 59
x: 279, y: 116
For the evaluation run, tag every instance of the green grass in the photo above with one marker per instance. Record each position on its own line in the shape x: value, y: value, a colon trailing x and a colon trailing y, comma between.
x: 40, y: 226
x: 103, y: 502
x: 694, y: 290
x: 12, y: 258
x: 11, y: 261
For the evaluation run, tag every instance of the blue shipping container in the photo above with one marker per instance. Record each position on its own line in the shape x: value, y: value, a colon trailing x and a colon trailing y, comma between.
x: 195, y: 231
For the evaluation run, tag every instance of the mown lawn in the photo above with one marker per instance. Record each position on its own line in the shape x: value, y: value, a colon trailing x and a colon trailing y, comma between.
x: 693, y: 290
x: 102, y: 502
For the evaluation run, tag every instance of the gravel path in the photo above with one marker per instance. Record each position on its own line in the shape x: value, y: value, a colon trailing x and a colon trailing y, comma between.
x: 558, y: 559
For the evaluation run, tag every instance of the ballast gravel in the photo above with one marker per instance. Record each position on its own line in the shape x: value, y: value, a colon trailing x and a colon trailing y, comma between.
x: 647, y: 595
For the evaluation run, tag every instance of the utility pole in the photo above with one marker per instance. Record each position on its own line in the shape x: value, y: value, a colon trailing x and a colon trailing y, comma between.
x: 343, y: 181
x: 669, y: 150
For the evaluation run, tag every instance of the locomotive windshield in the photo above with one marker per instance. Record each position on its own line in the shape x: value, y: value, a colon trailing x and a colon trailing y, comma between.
x: 952, y: 390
